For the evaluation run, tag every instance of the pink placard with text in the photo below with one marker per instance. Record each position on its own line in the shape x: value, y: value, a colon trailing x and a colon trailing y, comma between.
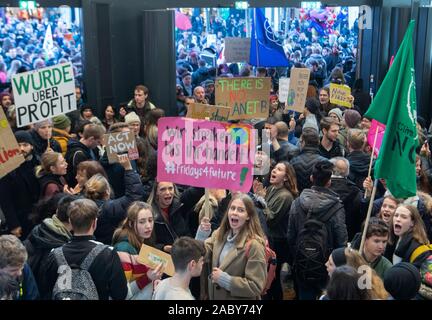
x: 208, y: 154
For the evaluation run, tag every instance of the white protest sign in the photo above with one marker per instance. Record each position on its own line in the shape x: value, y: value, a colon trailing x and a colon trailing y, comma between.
x: 237, y: 49
x: 283, y: 89
x: 44, y: 93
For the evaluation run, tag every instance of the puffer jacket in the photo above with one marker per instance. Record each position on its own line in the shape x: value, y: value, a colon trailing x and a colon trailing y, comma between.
x: 113, y: 212
x: 303, y: 165
x: 318, y: 201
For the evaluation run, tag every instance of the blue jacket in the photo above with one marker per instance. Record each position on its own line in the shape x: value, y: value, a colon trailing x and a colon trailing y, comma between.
x: 28, y: 286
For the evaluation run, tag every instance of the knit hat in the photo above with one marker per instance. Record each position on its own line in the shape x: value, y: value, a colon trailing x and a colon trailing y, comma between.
x: 338, y: 256
x: 207, y: 83
x: 337, y: 112
x: 38, y: 125
x: 132, y: 117
x: 61, y: 122
x: 352, y: 118
x: 402, y: 281
x: 24, y: 137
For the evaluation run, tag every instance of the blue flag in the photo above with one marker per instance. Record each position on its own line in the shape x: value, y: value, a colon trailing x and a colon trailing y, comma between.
x: 265, y: 51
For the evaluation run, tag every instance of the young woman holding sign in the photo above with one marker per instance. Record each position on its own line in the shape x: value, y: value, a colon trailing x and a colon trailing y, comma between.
x: 136, y: 230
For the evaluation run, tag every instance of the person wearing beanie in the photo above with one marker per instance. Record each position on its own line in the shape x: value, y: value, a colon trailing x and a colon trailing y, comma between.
x: 61, y: 131
x: 402, y: 281
x: 336, y: 114
x: 352, y: 118
x: 134, y: 123
x: 19, y: 190
x: 42, y: 135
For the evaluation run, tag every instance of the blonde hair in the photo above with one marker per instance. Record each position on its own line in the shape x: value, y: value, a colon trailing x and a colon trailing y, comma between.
x: 12, y: 252
x: 97, y: 187
x: 128, y: 228
x: 252, y: 227
x: 355, y: 260
x: 48, y: 160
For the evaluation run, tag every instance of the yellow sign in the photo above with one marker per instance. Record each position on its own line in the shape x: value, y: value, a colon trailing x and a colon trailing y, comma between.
x: 340, y: 95
x: 208, y: 112
x: 152, y: 257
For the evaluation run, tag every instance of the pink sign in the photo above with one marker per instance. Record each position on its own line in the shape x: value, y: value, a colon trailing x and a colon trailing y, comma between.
x: 208, y: 154
x: 377, y: 128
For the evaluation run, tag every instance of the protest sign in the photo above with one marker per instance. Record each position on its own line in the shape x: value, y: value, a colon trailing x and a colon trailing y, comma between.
x: 206, y: 154
x: 283, y: 89
x: 204, y: 111
x: 340, y: 95
x: 44, y: 93
x: 237, y: 49
x: 248, y: 98
x: 10, y: 156
x: 298, y: 86
x: 152, y: 257
x: 120, y: 143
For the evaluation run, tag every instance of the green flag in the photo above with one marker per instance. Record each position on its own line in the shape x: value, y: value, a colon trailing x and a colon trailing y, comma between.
x: 395, y: 105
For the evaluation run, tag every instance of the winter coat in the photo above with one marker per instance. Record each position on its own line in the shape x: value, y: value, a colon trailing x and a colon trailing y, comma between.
x: 40, y: 145
x: 179, y: 223
x: 337, y: 150
x: 303, y: 165
x: 248, y: 272
x: 113, y: 212
x: 28, y: 284
x: 106, y: 269
x: 277, y: 212
x: 76, y: 153
x: 318, y: 201
x: 286, y: 152
x: 359, y: 167
x: 62, y: 137
x: 50, y: 234
x: 50, y: 184
x: 404, y: 249
x: 19, y: 191
x: 350, y: 196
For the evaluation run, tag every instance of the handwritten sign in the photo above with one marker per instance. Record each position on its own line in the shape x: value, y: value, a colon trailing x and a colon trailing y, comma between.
x: 10, y: 156
x: 298, y: 87
x: 44, y: 93
x: 203, y: 111
x: 120, y: 143
x: 248, y: 98
x: 237, y: 49
x: 152, y: 257
x: 283, y: 89
x: 339, y: 95
x: 206, y: 154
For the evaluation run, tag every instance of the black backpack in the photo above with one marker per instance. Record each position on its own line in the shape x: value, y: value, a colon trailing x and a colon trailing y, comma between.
x: 311, y: 249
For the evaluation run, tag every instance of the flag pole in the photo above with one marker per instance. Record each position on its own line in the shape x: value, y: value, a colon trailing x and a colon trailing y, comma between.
x: 256, y: 38
x: 368, y: 215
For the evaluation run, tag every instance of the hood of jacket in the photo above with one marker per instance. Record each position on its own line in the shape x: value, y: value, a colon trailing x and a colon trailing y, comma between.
x: 74, y: 145
x: 318, y: 200
x: 51, y: 233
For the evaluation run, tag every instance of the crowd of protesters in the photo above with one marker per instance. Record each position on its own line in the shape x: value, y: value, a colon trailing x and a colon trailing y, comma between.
x: 67, y: 205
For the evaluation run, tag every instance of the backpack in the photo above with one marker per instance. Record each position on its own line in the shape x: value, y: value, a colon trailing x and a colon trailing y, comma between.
x: 75, y: 282
x: 271, y: 259
x: 311, y: 251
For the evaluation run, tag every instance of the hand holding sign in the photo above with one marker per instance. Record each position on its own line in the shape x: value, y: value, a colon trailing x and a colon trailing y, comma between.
x: 155, y: 274
x: 205, y: 224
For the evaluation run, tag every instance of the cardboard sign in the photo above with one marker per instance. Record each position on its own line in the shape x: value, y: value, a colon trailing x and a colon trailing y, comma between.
x: 339, y: 95
x: 152, y: 257
x: 206, y: 154
x: 44, y: 93
x: 298, y: 87
x: 10, y: 157
x: 248, y: 98
x: 203, y: 111
x: 120, y: 143
x: 283, y: 89
x: 237, y: 49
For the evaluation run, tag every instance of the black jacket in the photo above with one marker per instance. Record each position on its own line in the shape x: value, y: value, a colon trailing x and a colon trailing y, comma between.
x: 303, y: 165
x: 42, y: 239
x: 40, y: 145
x: 113, y: 212
x: 286, y: 152
x: 359, y: 167
x: 50, y: 178
x: 318, y: 201
x: 19, y: 191
x: 181, y: 221
x: 76, y: 153
x: 405, y: 249
x: 336, y: 150
x: 350, y: 196
x: 106, y: 270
